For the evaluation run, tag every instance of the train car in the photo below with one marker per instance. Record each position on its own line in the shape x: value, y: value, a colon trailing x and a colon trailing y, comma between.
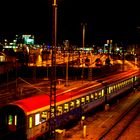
x: 28, y: 119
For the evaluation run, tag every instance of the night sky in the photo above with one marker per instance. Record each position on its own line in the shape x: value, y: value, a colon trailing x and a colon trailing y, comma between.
x: 105, y: 20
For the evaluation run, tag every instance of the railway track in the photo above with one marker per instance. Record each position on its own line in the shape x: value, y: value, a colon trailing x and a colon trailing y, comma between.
x: 122, y: 123
x: 9, y: 92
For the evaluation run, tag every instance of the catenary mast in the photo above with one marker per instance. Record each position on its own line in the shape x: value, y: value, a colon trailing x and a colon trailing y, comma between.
x: 52, y: 123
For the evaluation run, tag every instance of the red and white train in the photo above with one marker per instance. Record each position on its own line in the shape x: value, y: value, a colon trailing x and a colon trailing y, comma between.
x: 28, y: 118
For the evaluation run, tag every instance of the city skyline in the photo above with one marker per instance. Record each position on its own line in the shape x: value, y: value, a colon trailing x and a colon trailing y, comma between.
x: 105, y: 20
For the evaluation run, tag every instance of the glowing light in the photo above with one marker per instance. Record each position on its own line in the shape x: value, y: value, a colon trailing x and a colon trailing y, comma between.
x: 117, y: 49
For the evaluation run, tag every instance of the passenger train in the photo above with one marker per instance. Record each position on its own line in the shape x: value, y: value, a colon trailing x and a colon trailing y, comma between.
x: 28, y: 119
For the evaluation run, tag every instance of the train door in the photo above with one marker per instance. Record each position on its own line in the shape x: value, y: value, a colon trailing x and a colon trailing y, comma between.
x: 16, y: 125
x: 13, y: 125
x: 11, y: 122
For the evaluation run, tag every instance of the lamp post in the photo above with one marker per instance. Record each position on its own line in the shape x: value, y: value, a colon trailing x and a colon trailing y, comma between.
x: 52, y: 122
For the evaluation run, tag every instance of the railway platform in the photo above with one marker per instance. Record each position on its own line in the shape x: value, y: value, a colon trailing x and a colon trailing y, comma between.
x: 94, y: 126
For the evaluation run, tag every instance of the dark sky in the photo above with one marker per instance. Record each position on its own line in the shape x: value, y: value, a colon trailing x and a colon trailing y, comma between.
x: 105, y: 20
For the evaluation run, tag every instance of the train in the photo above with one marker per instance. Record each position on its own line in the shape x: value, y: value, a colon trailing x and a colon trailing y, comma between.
x: 28, y: 118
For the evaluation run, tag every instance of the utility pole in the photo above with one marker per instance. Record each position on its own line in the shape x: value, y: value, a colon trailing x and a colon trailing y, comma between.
x: 123, y: 58
x: 52, y: 123
x: 67, y: 66
x: 67, y: 62
x: 108, y: 43
x: 83, y: 43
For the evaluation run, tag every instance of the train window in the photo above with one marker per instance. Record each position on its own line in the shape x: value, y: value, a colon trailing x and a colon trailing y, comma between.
x: 117, y: 86
x: 37, y: 119
x: 87, y: 99
x: 83, y: 100
x: 30, y: 122
x: 102, y: 92
x: 109, y: 90
x: 99, y: 94
x: 77, y: 102
x: 66, y: 107
x: 59, y: 110
x: 96, y: 96
x: 15, y: 119
x: 122, y: 84
x: 10, y: 119
x: 125, y: 82
x: 114, y: 87
x: 92, y: 97
x: 128, y: 81
x: 44, y: 116
x: 71, y: 105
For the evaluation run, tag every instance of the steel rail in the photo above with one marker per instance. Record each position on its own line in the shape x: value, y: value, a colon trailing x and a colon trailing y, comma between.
x: 124, y: 114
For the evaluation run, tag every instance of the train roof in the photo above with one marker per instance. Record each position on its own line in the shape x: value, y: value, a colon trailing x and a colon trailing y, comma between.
x: 39, y: 101
x: 32, y: 103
